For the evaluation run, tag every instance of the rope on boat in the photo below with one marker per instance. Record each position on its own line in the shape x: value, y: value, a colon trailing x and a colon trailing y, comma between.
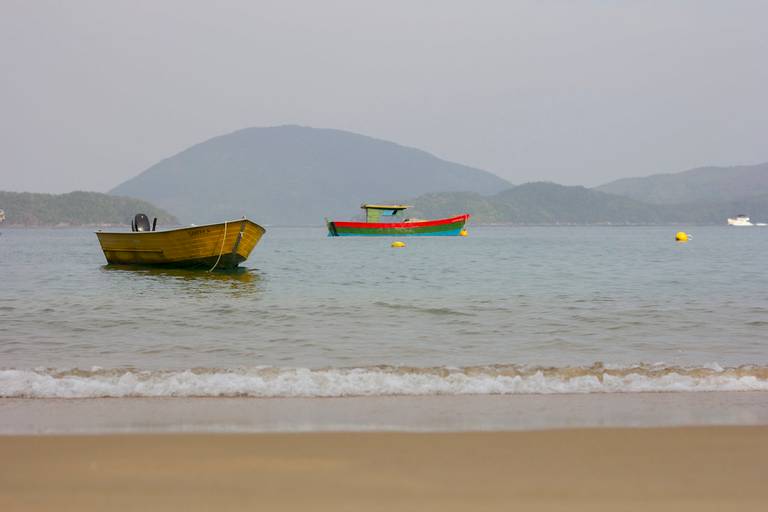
x: 222, y: 248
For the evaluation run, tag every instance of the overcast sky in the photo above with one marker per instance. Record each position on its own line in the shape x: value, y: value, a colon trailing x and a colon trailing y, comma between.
x: 577, y: 92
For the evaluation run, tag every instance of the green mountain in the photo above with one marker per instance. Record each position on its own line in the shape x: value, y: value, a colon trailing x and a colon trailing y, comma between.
x: 289, y: 175
x: 540, y: 203
x: 549, y: 203
x: 708, y: 184
x: 75, y: 209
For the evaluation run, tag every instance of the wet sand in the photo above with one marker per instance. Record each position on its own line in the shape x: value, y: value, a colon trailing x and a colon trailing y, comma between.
x: 383, y: 413
x: 695, y: 468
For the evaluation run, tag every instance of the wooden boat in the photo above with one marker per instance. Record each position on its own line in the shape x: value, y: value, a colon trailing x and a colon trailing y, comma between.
x: 373, y: 226
x: 211, y: 246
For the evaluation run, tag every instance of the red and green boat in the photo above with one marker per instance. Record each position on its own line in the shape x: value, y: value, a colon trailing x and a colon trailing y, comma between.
x: 373, y: 226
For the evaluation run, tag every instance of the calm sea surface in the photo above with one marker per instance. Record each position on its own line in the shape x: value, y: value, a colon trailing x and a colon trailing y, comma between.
x: 505, y: 310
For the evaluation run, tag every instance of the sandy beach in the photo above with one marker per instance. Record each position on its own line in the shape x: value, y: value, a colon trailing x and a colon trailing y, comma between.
x: 709, y: 468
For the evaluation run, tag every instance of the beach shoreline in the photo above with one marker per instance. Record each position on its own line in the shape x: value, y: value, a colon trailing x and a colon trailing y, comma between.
x: 446, y: 413
x: 693, y: 468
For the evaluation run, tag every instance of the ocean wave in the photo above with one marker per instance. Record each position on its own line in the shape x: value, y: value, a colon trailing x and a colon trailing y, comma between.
x: 377, y: 381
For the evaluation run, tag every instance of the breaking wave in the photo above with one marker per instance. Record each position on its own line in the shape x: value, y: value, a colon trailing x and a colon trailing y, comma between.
x: 377, y: 381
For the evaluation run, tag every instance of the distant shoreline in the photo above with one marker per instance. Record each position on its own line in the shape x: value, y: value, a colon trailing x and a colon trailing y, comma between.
x: 62, y: 226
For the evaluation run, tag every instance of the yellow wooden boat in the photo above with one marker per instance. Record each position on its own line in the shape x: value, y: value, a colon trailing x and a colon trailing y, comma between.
x: 212, y: 246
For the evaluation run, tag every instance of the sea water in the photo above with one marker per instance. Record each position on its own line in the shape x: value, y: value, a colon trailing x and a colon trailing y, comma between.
x: 505, y: 310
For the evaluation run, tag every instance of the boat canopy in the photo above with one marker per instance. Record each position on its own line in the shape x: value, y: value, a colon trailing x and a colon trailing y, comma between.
x: 374, y: 212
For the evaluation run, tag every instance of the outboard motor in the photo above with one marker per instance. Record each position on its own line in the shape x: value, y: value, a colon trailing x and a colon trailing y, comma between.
x: 141, y: 223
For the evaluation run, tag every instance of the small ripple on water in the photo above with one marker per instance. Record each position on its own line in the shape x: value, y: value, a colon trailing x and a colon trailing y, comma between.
x: 422, y: 309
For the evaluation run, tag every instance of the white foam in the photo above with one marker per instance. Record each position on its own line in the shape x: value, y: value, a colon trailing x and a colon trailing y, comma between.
x: 375, y: 381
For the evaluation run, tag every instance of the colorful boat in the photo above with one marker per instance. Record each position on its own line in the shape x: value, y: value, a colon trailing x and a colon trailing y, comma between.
x: 211, y: 246
x: 373, y: 226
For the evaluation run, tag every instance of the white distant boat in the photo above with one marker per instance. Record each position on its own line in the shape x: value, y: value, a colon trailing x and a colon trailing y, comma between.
x: 739, y: 220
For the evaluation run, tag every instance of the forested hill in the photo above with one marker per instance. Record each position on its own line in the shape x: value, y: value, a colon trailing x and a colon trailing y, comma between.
x: 75, y: 209
x: 549, y: 203
x: 704, y: 184
x: 288, y: 175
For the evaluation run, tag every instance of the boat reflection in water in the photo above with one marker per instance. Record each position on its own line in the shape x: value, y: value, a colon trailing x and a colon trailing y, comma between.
x: 236, y: 275
x: 182, y: 284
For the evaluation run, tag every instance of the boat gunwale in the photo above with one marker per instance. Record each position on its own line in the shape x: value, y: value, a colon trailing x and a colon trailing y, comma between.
x: 99, y: 232
x: 396, y: 225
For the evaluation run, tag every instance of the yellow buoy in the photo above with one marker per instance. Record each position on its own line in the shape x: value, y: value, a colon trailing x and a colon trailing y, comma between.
x: 681, y: 236
x: 398, y: 244
x: 463, y: 232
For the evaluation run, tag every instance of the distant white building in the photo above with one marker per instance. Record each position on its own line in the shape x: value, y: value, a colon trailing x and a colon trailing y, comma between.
x: 2, y: 215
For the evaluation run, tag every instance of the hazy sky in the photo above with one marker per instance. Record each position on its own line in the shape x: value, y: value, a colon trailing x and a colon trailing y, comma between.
x: 577, y: 92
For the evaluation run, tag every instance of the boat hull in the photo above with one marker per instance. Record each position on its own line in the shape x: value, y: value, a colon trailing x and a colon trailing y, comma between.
x: 440, y: 227
x: 220, y: 246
